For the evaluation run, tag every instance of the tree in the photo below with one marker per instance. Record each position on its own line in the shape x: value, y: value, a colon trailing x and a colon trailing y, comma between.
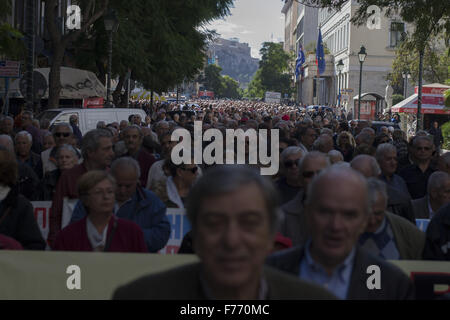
x: 435, y: 63
x: 230, y: 88
x: 255, y: 89
x: 91, y: 11
x: 11, y: 44
x: 161, y: 42
x: 274, y: 68
x: 213, y: 79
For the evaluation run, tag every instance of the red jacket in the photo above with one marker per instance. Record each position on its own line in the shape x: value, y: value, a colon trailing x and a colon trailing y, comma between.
x: 128, y: 237
x: 8, y: 243
x: 145, y: 161
x: 66, y: 187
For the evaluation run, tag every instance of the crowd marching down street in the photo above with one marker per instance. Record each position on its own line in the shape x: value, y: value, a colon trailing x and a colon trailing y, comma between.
x: 345, y: 195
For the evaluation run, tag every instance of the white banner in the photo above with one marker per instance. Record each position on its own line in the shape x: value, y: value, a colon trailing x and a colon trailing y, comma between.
x: 179, y: 223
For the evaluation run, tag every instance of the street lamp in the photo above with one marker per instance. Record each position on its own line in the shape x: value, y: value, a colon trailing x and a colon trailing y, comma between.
x: 406, y: 75
x: 339, y: 68
x: 362, y: 56
x: 111, y: 25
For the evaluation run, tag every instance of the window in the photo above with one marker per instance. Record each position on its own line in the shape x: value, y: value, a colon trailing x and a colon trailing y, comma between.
x: 396, y: 30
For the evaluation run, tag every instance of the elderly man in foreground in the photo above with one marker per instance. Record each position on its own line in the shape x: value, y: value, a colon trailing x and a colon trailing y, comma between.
x: 232, y: 210
x: 337, y: 211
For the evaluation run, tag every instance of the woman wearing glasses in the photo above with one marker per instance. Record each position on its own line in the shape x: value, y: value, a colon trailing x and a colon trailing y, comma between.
x: 100, y: 230
x: 174, y: 190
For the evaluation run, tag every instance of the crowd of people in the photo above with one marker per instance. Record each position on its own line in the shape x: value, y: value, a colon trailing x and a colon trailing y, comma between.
x: 347, y: 195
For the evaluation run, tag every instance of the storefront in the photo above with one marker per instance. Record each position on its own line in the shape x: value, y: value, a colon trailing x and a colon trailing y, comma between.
x: 433, y: 108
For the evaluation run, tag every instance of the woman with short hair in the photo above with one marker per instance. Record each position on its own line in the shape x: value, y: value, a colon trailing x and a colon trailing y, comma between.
x: 100, y: 230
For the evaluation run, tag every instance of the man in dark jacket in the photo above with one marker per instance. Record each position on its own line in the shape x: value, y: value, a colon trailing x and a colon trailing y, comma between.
x: 337, y: 210
x: 436, y: 132
x: 437, y: 245
x: 232, y: 210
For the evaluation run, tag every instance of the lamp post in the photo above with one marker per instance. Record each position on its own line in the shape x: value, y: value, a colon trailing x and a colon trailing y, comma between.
x: 362, y: 56
x: 111, y: 25
x: 339, y: 68
x: 406, y: 75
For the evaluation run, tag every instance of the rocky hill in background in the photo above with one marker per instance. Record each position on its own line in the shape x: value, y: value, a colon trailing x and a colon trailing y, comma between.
x: 235, y: 60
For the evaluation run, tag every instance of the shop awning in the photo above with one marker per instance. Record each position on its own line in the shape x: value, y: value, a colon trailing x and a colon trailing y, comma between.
x: 432, y: 101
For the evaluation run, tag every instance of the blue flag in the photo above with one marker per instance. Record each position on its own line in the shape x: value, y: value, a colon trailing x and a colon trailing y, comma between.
x: 320, y: 56
x: 299, y: 62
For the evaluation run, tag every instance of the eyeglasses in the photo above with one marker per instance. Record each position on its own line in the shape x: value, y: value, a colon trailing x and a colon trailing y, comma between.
x: 62, y: 134
x: 193, y: 170
x: 290, y: 163
x: 310, y: 174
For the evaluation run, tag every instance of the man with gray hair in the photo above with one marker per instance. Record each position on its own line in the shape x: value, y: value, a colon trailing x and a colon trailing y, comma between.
x: 232, y: 210
x: 136, y: 204
x: 97, y: 155
x: 416, y: 175
x: 337, y: 212
x: 7, y: 126
x: 387, y: 235
x: 398, y: 202
x: 293, y: 223
x: 28, y: 181
x: 23, y: 142
x: 438, y: 195
x: 386, y: 156
x: 27, y: 119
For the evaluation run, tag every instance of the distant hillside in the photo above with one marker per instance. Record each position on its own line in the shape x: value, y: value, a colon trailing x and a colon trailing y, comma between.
x: 235, y: 60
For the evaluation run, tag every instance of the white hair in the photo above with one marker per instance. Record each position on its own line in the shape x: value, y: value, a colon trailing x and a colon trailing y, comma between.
x: 24, y: 133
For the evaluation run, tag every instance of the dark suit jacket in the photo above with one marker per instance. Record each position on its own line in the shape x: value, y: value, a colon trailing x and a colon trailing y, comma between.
x: 293, y: 224
x: 183, y: 283
x: 399, y: 203
x: 420, y: 207
x: 395, y: 285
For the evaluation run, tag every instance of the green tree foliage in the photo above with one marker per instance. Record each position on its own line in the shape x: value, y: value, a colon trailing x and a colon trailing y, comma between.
x: 161, y: 42
x: 230, y: 88
x: 213, y: 79
x: 274, y: 68
x: 255, y: 89
x: 435, y: 65
x: 396, y: 98
x: 11, y: 44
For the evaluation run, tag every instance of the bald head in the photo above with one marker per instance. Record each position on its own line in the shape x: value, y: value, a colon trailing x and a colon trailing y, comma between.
x: 366, y: 165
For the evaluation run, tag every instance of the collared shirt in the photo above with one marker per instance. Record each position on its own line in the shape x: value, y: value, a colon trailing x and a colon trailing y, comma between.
x: 117, y: 207
x: 430, y: 210
x: 338, y: 283
x: 262, y: 293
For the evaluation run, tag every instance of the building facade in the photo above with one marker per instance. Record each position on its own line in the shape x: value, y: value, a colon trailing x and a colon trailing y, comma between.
x: 379, y: 36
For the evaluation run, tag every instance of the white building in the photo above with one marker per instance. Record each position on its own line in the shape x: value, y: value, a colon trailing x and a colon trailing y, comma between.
x: 379, y: 36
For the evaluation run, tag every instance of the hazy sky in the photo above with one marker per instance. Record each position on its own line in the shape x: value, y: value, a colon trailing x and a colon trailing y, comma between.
x: 253, y: 22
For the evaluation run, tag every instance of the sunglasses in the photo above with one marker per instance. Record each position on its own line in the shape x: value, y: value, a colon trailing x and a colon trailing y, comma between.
x: 290, y: 163
x: 309, y: 174
x: 62, y: 134
x: 193, y: 170
x: 423, y: 148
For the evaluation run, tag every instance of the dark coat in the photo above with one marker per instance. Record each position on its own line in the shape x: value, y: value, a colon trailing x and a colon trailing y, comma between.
x: 408, y: 238
x: 293, y: 224
x: 17, y: 221
x: 437, y: 244
x: 395, y: 284
x: 420, y: 207
x: 183, y: 283
x: 399, y: 203
x: 48, y: 185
